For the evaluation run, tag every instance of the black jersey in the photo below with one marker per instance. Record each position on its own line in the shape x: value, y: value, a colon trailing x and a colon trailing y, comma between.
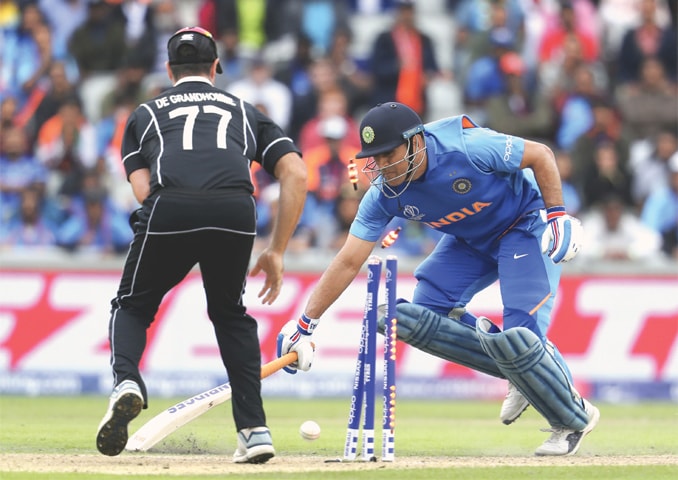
x: 197, y: 137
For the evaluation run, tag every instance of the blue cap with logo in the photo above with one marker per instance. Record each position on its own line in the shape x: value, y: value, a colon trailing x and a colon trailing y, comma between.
x: 386, y: 126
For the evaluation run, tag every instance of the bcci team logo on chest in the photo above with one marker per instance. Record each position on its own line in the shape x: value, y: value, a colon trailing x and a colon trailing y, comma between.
x: 461, y: 186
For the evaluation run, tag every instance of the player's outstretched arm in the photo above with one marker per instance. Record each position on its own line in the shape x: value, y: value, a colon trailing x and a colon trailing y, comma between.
x: 339, y: 275
x: 291, y: 173
x: 295, y: 336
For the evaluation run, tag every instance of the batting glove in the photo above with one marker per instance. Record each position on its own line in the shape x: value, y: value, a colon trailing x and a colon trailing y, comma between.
x: 563, y: 237
x: 295, y: 336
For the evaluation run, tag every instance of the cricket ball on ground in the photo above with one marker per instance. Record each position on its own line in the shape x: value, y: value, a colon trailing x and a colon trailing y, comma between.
x: 309, y: 430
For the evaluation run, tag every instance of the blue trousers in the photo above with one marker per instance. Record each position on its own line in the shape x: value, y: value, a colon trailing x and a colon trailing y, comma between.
x: 455, y: 271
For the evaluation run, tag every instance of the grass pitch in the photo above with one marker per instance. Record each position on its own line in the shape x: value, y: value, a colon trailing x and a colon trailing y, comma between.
x: 53, y: 438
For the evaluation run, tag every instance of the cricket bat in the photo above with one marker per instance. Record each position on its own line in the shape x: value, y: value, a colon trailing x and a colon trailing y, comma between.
x: 170, y: 420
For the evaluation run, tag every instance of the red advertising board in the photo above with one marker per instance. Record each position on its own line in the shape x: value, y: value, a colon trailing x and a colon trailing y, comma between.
x: 609, y: 329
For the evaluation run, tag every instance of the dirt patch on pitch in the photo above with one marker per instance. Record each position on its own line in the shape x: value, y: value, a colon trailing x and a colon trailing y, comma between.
x: 168, y: 465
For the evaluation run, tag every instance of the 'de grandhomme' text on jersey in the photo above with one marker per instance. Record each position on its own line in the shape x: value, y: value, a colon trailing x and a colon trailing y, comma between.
x: 473, y: 187
x: 195, y: 136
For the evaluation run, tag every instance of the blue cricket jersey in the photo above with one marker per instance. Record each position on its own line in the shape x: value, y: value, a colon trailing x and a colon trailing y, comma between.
x: 473, y: 187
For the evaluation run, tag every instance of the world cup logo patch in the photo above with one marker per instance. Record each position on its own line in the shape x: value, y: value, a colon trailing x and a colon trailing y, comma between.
x: 368, y: 134
x: 462, y: 186
x: 412, y: 213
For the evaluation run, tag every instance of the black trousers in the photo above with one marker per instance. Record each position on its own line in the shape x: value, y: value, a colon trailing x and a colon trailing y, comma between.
x: 177, y: 230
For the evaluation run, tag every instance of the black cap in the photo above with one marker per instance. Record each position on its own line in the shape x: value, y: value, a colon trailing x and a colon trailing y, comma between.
x: 386, y: 126
x: 204, y: 48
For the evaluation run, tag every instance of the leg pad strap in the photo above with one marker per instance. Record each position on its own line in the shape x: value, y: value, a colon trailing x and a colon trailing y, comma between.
x: 521, y: 357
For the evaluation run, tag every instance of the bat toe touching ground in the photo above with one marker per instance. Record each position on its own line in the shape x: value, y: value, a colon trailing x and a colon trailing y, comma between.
x: 171, y: 419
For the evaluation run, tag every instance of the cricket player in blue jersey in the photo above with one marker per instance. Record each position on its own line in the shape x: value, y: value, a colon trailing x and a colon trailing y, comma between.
x: 498, y: 199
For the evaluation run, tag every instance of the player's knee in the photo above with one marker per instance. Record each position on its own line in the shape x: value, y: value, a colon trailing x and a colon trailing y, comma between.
x: 519, y: 318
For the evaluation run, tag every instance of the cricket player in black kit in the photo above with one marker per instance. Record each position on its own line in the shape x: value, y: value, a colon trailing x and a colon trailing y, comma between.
x: 187, y: 155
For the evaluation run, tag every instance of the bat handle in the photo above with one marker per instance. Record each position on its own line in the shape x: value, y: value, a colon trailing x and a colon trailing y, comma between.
x: 278, y: 364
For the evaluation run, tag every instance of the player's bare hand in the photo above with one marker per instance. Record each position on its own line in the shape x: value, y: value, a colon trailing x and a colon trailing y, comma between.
x: 271, y: 263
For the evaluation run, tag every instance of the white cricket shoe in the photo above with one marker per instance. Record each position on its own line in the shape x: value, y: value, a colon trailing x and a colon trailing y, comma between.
x: 564, y: 441
x: 255, y: 445
x: 514, y: 405
x: 125, y: 403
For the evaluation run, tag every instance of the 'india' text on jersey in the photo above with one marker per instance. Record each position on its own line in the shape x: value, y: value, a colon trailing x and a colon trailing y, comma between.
x: 473, y: 187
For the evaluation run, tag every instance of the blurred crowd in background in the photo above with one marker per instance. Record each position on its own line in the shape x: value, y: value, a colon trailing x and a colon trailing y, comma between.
x: 595, y: 80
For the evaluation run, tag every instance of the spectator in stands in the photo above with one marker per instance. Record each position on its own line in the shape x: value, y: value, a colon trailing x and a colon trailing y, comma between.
x: 317, y: 20
x: 140, y: 35
x: 403, y: 61
x: 372, y: 7
x: 30, y: 228
x: 649, y: 39
x: 259, y: 87
x: 99, y: 44
x: 331, y: 103
x: 586, y: 17
x: 165, y: 23
x: 649, y: 105
x: 40, y: 63
x: 475, y: 20
x: 63, y: 17
x: 574, y: 110
x: 129, y: 82
x: 26, y: 54
x: 558, y: 76
x: 660, y: 211
x: 604, y: 129
x: 485, y: 78
x: 649, y: 164
x: 554, y: 38
x: 235, y: 65
x: 327, y: 164
x: 606, y: 177
x: 619, y: 16
x: 543, y: 16
x: 324, y: 79
x: 537, y: 15
x: 95, y: 224
x: 10, y: 15
x: 520, y: 110
x: 207, y: 18
x: 8, y: 112
x: 296, y: 72
x: 256, y: 23
x: 327, y: 174
x: 67, y: 146
x: 19, y: 170
x: 614, y: 233
x: 109, y: 132
x: 46, y: 99
x: 353, y: 74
